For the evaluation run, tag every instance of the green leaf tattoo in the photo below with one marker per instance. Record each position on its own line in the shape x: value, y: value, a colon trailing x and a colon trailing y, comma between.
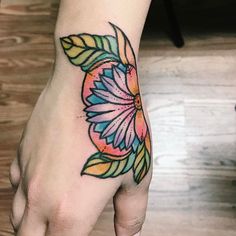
x: 113, y: 105
x: 86, y: 50
x: 107, y: 166
x: 142, y: 163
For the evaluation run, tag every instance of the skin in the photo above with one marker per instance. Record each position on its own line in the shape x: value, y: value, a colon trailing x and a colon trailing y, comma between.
x: 52, y: 198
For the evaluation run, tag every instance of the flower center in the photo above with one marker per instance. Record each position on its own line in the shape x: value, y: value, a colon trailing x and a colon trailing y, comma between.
x: 137, y: 102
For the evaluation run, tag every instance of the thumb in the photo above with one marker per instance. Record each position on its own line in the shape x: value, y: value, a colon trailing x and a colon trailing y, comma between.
x: 130, y: 204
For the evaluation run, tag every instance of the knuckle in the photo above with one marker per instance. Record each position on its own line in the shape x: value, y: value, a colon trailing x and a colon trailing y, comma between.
x: 63, y: 216
x: 17, y: 208
x: 33, y: 192
x: 15, y: 217
x: 14, y: 175
x: 13, y: 222
x: 130, y: 226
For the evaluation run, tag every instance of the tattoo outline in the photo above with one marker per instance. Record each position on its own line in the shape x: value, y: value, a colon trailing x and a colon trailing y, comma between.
x: 110, y: 93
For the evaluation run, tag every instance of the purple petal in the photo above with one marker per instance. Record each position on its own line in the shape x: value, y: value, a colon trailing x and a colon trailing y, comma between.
x: 109, y: 97
x: 110, y: 115
x: 121, y: 131
x: 120, y: 79
x: 106, y: 107
x: 114, y: 125
x: 113, y: 88
x: 130, y: 134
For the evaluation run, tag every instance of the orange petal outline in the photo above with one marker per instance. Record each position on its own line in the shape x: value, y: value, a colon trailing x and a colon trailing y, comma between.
x: 148, y: 142
x: 140, y: 125
x: 132, y: 80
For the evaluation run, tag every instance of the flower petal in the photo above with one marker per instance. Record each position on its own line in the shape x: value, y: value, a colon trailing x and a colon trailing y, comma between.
x: 110, y: 115
x: 148, y: 142
x: 121, y: 131
x: 119, y: 77
x: 132, y: 80
x: 140, y: 125
x: 113, y: 126
x: 106, y: 107
x: 109, y: 97
x: 130, y: 134
x: 104, y: 147
x: 113, y: 88
x: 93, y: 76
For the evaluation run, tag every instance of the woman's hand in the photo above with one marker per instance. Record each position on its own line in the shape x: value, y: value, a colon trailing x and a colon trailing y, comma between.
x: 87, y: 139
x: 52, y: 198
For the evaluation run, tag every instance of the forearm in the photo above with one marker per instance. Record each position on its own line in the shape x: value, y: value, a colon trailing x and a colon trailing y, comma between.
x: 93, y: 17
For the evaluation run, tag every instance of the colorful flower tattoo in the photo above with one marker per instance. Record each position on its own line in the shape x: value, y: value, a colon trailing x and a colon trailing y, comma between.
x: 113, y: 106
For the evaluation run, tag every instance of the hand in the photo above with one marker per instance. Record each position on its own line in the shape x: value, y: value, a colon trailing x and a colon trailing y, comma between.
x: 65, y: 173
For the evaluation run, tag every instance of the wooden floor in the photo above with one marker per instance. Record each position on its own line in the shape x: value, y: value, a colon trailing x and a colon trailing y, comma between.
x: 190, y: 94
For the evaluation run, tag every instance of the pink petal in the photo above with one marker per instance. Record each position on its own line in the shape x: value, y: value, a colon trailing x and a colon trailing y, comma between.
x: 109, y: 97
x: 140, y: 125
x: 110, y: 115
x: 106, y: 107
x: 130, y: 134
x: 113, y: 126
x: 113, y: 88
x: 120, y: 79
x: 120, y: 134
x: 132, y: 80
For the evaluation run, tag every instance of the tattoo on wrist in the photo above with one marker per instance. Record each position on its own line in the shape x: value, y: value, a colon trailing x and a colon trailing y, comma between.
x: 113, y: 106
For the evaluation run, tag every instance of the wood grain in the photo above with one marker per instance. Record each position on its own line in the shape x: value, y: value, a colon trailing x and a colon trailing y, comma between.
x: 190, y: 94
